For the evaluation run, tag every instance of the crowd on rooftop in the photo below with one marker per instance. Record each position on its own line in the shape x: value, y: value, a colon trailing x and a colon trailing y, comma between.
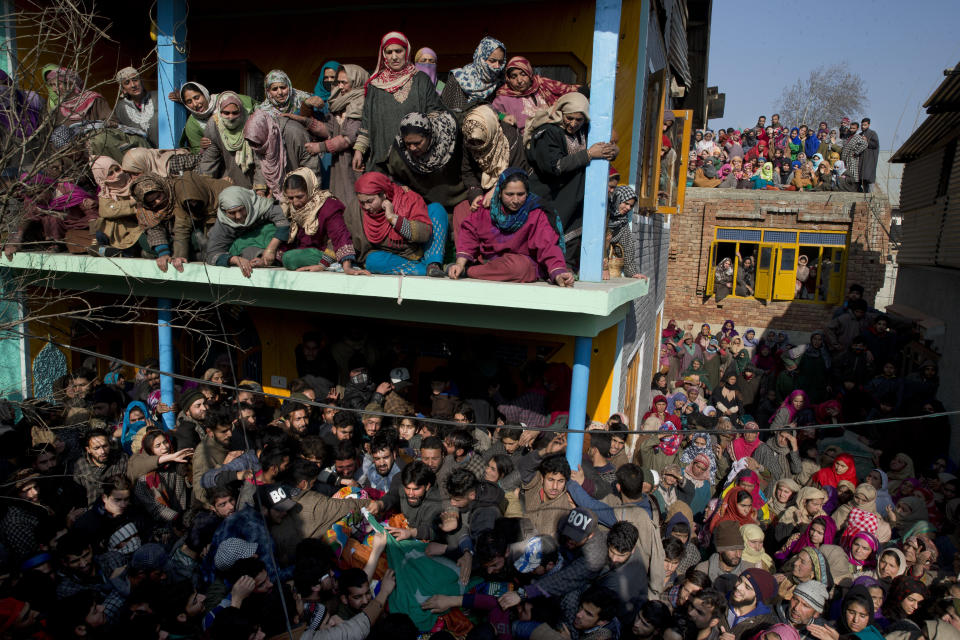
x: 790, y: 158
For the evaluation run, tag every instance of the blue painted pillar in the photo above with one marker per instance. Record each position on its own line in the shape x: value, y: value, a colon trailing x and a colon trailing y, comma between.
x: 582, y: 350
x: 171, y: 69
x: 640, y: 91
x: 603, y: 76
x: 171, y: 73
x: 165, y: 356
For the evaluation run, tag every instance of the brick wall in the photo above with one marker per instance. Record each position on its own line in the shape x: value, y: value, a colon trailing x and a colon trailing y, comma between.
x: 866, y: 217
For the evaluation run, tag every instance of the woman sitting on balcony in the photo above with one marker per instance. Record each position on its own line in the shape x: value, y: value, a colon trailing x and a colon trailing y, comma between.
x: 316, y: 220
x: 248, y: 231
x: 427, y: 157
x: 395, y: 89
x: 512, y: 241
x: 178, y: 208
x: 117, y: 230
x: 401, y: 233
x: 228, y: 154
x: 556, y: 142
x: 524, y: 93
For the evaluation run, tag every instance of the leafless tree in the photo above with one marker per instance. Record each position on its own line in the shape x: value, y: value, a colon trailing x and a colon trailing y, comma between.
x: 828, y: 94
x: 36, y: 161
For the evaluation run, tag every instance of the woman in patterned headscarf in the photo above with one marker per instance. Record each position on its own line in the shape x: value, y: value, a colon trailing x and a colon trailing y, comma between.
x: 512, y: 241
x: 619, y: 211
x: 395, y: 89
x: 524, y: 92
x: 476, y: 82
x: 281, y: 97
x: 201, y: 105
x: 171, y: 209
x: 427, y: 156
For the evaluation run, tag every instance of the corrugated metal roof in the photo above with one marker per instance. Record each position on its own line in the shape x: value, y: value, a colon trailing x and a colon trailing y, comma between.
x: 947, y: 95
x: 936, y: 131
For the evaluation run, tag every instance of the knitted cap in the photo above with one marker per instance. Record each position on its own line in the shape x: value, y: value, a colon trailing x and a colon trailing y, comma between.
x: 231, y: 550
x: 814, y: 593
x: 726, y: 537
x: 764, y: 584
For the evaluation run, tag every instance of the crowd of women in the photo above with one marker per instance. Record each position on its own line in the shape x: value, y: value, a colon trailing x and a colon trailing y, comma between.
x: 779, y: 157
x: 393, y: 172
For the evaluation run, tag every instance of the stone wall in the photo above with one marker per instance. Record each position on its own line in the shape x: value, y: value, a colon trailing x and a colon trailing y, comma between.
x: 866, y: 217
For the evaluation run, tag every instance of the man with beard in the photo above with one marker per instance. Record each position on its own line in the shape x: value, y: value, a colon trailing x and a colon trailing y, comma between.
x: 99, y: 461
x: 421, y: 502
x: 748, y: 603
x: 729, y: 551
x: 804, y: 608
x: 381, y: 465
x: 189, y: 424
x: 626, y: 573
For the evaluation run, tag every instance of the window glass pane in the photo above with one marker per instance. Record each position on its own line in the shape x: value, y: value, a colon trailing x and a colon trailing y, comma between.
x: 787, y: 258
x: 766, y: 254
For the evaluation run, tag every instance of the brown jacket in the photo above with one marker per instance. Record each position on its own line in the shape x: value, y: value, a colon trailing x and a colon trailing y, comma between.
x: 316, y: 513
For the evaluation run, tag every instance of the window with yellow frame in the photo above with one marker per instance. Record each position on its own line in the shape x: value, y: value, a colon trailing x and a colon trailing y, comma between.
x: 778, y: 264
x: 663, y: 172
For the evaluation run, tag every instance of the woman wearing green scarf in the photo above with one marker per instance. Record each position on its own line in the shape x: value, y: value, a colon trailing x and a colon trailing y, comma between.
x: 229, y: 154
x: 201, y: 105
x: 248, y: 230
x: 53, y: 97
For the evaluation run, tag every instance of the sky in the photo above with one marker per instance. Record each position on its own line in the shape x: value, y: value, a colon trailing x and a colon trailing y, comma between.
x: 900, y: 49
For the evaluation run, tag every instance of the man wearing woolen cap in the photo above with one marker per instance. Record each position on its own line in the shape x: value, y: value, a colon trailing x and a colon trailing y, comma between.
x: 749, y: 602
x: 729, y: 552
x: 805, y: 608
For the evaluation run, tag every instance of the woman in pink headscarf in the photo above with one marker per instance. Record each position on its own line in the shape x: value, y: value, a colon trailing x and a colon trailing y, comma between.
x: 279, y: 146
x: 524, y: 93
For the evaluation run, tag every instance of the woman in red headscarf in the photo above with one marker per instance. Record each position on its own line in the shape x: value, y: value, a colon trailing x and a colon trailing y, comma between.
x: 401, y: 234
x: 843, y: 468
x: 524, y: 92
x: 395, y: 89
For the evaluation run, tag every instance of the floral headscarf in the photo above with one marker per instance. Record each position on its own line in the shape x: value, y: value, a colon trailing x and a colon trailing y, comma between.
x: 441, y: 128
x: 295, y: 97
x: 692, y: 452
x: 478, y: 80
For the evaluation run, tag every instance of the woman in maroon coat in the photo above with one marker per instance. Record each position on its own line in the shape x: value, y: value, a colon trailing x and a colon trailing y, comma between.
x: 512, y: 241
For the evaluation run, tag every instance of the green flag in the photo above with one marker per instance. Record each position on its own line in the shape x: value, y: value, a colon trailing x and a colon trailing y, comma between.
x: 419, y: 576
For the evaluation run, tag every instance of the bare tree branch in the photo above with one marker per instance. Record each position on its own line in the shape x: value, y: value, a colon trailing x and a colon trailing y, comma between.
x: 829, y: 93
